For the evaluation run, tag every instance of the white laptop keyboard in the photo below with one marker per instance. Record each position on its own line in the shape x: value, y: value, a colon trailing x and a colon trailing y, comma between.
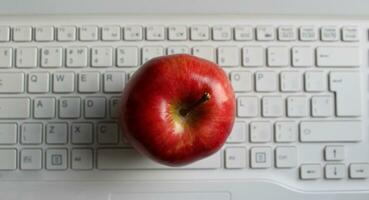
x: 301, y: 86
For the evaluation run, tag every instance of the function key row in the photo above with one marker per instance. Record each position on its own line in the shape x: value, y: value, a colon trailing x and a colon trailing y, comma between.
x: 177, y: 33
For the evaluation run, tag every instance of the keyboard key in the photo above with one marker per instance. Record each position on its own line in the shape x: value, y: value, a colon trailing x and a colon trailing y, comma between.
x: 38, y: 82
x: 238, y: 133
x: 272, y: 106
x: 286, y: 157
x: 315, y: 81
x: 82, y: 159
x: 348, y: 100
x: 6, y: 57
x: 265, y: 33
x: 88, y: 33
x: 222, y: 33
x: 155, y: 33
x: 260, y: 132
x: 297, y: 106
x: 14, y: 108
x: 150, y: 52
x: 101, y: 56
x: 322, y: 106
x: 69, y: 107
x: 63, y: 82
x: 285, y: 131
x: 308, y: 33
x: 89, y: 82
x: 261, y: 157
x: 350, y: 34
x: 114, y: 82
x: 114, y: 107
x: 334, y: 153
x: 290, y: 81
x: 22, y: 33
x: 4, y: 33
x: 330, y: 131
x: 205, y: 52
x: 44, y: 33
x: 310, y: 171
x: 329, y: 34
x: 11, y: 83
x: 107, y: 133
x: 133, y: 33
x: 82, y: 133
x: 177, y: 33
x: 253, y: 56
x: 26, y: 57
x: 114, y: 159
x: 76, y: 57
x: 44, y: 108
x: 31, y: 133
x: 359, y: 170
x: 200, y: 33
x: 56, y: 159
x: 243, y: 33
x: 287, y: 33
x: 127, y: 56
x: 338, y: 57
x: 178, y: 50
x: 8, y: 133
x: 111, y: 33
x: 302, y: 56
x: 266, y: 81
x: 247, y: 106
x: 235, y: 157
x: 67, y: 33
x: 241, y: 81
x: 335, y: 171
x: 8, y: 159
x: 95, y: 107
x: 56, y: 133
x: 278, y: 56
x: 228, y: 56
x: 51, y: 57
x: 31, y: 159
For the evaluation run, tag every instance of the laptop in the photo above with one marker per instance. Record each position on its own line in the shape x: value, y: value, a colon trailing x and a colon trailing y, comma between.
x: 299, y: 70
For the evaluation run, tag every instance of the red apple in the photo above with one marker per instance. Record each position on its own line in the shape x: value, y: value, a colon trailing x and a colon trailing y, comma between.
x: 178, y: 109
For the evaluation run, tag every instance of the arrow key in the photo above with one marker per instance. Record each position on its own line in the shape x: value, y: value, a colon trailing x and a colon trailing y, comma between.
x: 335, y: 171
x: 334, y: 153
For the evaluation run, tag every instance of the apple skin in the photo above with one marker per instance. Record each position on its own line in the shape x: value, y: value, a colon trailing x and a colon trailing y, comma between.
x: 152, y: 99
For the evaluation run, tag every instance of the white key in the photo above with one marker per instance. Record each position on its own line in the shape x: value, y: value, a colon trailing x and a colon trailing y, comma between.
x: 335, y: 171
x: 88, y: 33
x: 329, y: 33
x: 290, y: 81
x: 114, y: 81
x: 338, y: 57
x: 178, y: 50
x: 243, y: 33
x: 6, y: 57
x: 8, y: 133
x: 278, y: 56
x: 44, y: 33
x: 228, y: 56
x: 266, y: 81
x: 114, y: 107
x: 51, y: 57
x: 95, y: 107
x: 310, y: 171
x: 235, y: 157
x: 56, y: 159
x: 285, y: 157
x: 285, y: 131
x: 321, y: 106
x: 272, y: 106
x: 111, y: 33
x: 127, y: 56
x: 69, y: 107
x: 110, y: 159
x: 14, y: 108
x: 334, y: 153
x: 177, y: 33
x: 261, y: 157
x: 206, y: 52
x: 260, y: 132
x: 330, y: 131
x: 38, y: 82
x: 253, y: 56
x: 89, y: 82
x: 347, y: 88
x: 241, y: 81
x: 67, y: 33
x: 26, y: 57
x: 76, y: 57
x: 44, y: 108
x: 238, y: 133
x: 82, y: 159
x: 101, y: 56
x: 200, y: 33
x: 107, y: 133
x: 359, y: 170
x: 133, y: 33
x: 82, y: 133
x: 315, y: 81
x: 31, y: 159
x: 22, y: 33
x: 297, y: 106
x: 56, y: 133
x: 63, y: 82
x: 11, y: 82
x: 8, y: 159
x: 31, y: 133
x: 287, y: 33
x: 302, y: 56
x: 150, y: 52
x: 265, y: 33
x: 222, y: 33
x: 350, y: 34
x: 4, y: 33
x: 247, y: 106
x: 308, y: 33
x: 155, y: 33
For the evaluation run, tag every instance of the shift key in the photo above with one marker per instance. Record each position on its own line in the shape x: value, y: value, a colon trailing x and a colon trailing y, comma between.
x: 14, y: 108
x: 11, y: 83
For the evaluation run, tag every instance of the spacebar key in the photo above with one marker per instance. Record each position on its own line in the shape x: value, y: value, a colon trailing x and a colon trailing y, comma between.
x: 117, y: 159
x: 14, y: 108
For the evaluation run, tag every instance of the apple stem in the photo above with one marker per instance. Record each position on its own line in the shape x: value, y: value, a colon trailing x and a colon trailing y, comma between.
x: 185, y: 111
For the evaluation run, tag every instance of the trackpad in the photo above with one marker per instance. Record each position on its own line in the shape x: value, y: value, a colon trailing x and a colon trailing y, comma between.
x: 172, y: 196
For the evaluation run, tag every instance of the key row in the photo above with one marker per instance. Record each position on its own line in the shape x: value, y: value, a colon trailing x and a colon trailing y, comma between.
x: 26, y: 33
x: 334, y: 171
x: 226, y: 56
